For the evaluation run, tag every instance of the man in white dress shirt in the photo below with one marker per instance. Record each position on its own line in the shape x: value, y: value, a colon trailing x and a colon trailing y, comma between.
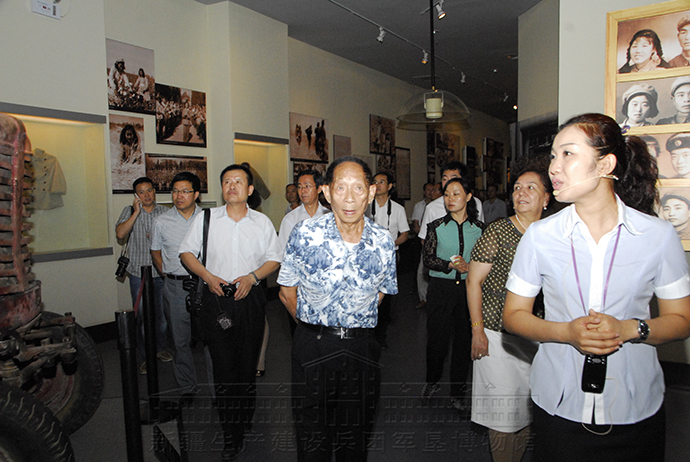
x: 391, y: 216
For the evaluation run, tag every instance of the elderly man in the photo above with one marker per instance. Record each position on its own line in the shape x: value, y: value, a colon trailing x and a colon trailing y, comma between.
x: 242, y: 249
x: 336, y: 269
x: 683, y: 59
x: 680, y: 95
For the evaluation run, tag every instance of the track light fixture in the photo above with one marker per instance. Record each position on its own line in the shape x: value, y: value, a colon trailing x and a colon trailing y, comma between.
x: 462, y: 80
x: 425, y: 58
x: 382, y: 34
x: 439, y: 10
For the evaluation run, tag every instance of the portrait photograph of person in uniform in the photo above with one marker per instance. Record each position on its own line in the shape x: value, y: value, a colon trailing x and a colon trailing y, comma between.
x: 381, y: 135
x: 126, y: 151
x: 652, y: 43
x: 653, y: 102
x: 131, y: 77
x: 308, y: 138
x: 162, y: 168
x: 180, y: 116
x: 674, y: 207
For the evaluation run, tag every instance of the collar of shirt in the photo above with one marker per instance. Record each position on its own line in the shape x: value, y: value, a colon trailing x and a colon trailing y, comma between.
x: 573, y: 219
x: 333, y: 233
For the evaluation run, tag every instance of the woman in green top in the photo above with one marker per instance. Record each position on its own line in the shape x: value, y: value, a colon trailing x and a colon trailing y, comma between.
x: 502, y: 361
x: 447, y: 250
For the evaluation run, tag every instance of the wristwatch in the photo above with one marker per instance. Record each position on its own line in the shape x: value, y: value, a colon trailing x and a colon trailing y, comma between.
x: 257, y: 281
x: 642, y: 331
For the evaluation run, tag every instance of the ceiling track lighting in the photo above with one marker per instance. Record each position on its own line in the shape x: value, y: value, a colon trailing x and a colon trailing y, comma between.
x: 439, y: 9
x: 382, y: 34
x: 425, y: 57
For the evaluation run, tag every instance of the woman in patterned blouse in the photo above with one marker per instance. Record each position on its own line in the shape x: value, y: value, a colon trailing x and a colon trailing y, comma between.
x: 505, y: 359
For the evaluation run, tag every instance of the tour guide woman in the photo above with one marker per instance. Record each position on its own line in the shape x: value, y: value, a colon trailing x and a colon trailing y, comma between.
x: 599, y: 262
x: 502, y: 361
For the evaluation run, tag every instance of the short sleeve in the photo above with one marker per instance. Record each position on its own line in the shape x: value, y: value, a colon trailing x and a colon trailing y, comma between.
x: 525, y: 278
x: 289, y: 274
x: 486, y: 248
x: 194, y: 238
x: 124, y: 216
x: 671, y: 281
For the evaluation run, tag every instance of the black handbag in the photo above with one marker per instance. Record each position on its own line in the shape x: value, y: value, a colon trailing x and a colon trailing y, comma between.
x: 195, y: 285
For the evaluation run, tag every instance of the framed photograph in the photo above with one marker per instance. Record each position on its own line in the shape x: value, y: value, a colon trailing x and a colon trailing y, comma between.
x: 674, y: 207
x: 386, y: 164
x: 342, y: 146
x: 131, y: 77
x: 180, y: 116
x: 161, y: 168
x: 381, y: 135
x: 308, y: 138
x: 402, y: 173
x: 127, y: 161
x: 299, y: 167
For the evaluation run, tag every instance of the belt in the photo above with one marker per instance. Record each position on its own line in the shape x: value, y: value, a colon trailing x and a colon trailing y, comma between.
x: 342, y: 332
x: 177, y: 278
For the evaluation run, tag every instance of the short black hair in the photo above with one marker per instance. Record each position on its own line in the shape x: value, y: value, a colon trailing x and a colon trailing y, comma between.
x: 389, y: 177
x: 455, y: 165
x: 187, y: 176
x: 250, y: 177
x: 342, y: 160
x: 143, y: 179
x: 318, y: 178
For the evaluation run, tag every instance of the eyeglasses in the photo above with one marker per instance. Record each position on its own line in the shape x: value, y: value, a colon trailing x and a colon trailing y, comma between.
x: 182, y: 191
x: 305, y: 186
x: 380, y: 182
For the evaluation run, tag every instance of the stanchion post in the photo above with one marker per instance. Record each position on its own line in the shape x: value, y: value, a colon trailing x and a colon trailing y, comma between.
x: 148, y: 301
x: 127, y: 344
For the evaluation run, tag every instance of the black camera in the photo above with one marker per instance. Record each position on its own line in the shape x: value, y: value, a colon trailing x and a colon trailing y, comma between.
x: 594, y: 374
x: 228, y: 290
x: 122, y: 264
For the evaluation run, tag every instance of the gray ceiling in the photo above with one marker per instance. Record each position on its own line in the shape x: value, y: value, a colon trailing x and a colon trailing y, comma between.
x: 477, y: 38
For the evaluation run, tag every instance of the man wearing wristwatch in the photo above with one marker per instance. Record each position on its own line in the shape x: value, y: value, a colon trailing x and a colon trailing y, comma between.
x: 242, y: 249
x: 336, y: 269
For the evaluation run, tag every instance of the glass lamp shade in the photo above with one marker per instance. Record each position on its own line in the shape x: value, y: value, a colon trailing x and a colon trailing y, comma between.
x: 434, y: 109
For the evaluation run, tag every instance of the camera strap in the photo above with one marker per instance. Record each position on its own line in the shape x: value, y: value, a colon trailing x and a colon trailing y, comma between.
x: 200, y: 285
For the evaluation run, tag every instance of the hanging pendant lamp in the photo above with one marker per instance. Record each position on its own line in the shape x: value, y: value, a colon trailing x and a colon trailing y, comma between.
x: 434, y: 109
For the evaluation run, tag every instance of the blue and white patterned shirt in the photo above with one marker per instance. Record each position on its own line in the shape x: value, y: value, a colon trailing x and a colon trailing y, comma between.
x: 338, y: 287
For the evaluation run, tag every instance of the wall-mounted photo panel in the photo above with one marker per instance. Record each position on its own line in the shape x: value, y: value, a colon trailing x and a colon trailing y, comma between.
x: 308, y: 138
x: 386, y: 164
x: 180, y: 116
x: 402, y: 173
x: 127, y: 161
x: 299, y: 167
x: 161, y: 168
x: 342, y: 146
x: 131, y: 77
x: 381, y: 135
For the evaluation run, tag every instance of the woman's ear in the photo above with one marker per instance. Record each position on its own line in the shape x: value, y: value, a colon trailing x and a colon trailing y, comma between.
x: 607, y: 164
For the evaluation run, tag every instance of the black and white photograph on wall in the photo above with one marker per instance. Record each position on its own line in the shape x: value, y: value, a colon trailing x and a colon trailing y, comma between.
x: 674, y: 206
x: 381, y: 135
x: 402, y: 173
x: 161, y: 168
x: 672, y: 154
x: 180, y: 116
x: 299, y: 167
x: 653, y: 43
x: 447, y: 148
x: 342, y: 146
x: 131, y: 77
x: 308, y: 138
x: 653, y: 102
x: 127, y: 161
x: 386, y: 164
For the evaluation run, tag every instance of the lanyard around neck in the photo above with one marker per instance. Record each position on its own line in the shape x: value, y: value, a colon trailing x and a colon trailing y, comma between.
x: 373, y: 211
x: 608, y: 276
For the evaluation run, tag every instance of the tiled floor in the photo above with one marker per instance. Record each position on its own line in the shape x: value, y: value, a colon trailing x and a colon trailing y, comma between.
x: 405, y: 431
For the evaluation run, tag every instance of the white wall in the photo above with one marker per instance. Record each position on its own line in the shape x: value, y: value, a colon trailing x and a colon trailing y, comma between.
x: 538, y: 61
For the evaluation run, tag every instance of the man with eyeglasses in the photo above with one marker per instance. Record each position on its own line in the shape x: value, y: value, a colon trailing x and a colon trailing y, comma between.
x: 166, y: 236
x: 309, y: 184
x: 135, y: 224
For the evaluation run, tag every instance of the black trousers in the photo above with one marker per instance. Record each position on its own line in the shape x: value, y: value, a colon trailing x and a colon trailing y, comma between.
x: 335, y: 389
x: 448, y: 320
x: 234, y: 353
x: 559, y: 439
